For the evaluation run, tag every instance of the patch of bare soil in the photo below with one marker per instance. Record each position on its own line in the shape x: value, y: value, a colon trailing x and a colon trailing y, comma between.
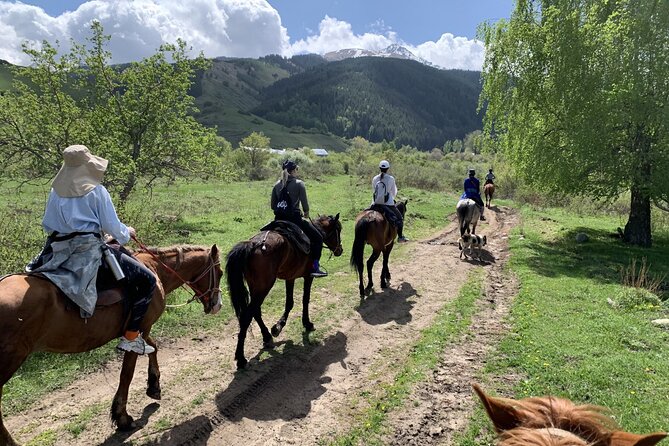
x: 304, y: 392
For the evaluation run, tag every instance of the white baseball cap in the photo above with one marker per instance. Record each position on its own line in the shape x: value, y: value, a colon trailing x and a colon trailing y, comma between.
x: 384, y: 165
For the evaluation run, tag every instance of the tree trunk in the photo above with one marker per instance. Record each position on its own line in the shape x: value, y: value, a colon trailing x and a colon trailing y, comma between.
x: 637, y: 229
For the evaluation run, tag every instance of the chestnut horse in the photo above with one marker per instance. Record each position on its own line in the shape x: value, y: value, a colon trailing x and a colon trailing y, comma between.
x: 550, y: 421
x: 36, y: 316
x: 488, y: 191
x: 268, y: 256
x: 372, y: 228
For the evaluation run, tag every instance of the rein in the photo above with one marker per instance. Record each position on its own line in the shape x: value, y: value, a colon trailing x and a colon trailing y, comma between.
x: 198, y: 295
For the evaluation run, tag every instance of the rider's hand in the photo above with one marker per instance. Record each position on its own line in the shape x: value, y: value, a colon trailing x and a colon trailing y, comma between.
x: 132, y: 232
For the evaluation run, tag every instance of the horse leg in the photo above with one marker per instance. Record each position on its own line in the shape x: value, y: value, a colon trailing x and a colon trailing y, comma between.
x: 308, y: 326
x: 153, y: 383
x: 370, y: 264
x: 361, y: 286
x: 385, y: 271
x: 267, y: 341
x: 276, y: 329
x: 119, y: 414
x: 9, y: 367
x: 244, y: 321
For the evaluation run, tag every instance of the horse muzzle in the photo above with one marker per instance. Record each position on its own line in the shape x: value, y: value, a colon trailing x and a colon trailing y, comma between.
x: 338, y: 251
x: 216, y: 307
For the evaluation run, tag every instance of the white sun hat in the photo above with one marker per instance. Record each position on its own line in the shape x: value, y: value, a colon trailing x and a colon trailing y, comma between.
x: 81, y: 172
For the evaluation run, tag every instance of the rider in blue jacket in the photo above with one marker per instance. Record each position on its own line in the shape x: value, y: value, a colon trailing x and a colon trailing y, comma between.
x: 473, y: 190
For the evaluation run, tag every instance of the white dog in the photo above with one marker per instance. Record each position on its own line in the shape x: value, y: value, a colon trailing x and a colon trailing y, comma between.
x: 471, y: 242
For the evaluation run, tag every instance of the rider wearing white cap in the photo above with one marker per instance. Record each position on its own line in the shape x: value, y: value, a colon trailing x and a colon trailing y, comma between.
x: 385, y: 191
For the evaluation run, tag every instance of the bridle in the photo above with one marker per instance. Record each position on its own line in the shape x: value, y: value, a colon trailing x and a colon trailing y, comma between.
x: 198, y: 296
x: 327, y: 236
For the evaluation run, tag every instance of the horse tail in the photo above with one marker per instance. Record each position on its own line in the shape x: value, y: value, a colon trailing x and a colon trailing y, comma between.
x: 234, y: 271
x: 359, y: 241
x: 462, y: 218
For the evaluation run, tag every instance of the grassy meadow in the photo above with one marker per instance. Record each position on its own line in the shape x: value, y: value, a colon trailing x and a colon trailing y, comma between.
x: 580, y: 329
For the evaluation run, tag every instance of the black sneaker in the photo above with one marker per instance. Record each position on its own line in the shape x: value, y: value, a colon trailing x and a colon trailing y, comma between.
x: 402, y: 239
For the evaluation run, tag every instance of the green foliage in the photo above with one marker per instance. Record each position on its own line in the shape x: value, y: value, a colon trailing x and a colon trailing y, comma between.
x: 138, y: 116
x: 576, y: 96
x: 378, y: 99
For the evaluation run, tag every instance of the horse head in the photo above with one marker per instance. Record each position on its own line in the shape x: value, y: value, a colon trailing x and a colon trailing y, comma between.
x: 331, y: 228
x: 210, y: 280
x: 550, y: 421
x: 402, y: 207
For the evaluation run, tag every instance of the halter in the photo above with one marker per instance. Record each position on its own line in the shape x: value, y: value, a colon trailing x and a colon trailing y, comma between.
x: 337, y: 235
x: 191, y: 283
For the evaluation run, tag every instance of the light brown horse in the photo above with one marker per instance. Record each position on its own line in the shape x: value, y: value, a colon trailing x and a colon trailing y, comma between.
x: 550, y: 421
x: 372, y: 228
x: 488, y: 191
x: 36, y: 316
x: 260, y: 261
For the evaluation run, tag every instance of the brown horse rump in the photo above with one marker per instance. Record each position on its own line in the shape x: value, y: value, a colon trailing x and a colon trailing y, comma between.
x: 390, y: 216
x: 291, y: 232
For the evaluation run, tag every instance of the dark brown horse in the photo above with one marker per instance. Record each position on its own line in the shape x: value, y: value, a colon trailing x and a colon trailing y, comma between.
x: 36, y: 316
x: 488, y: 191
x: 372, y: 228
x: 260, y: 261
x: 550, y: 421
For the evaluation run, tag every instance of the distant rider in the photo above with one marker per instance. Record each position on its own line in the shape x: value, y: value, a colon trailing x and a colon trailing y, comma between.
x: 472, y: 191
x: 287, y: 195
x: 489, y: 177
x: 385, y: 190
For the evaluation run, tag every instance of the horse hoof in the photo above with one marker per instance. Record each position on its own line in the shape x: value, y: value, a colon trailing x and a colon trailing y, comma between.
x: 153, y: 393
x: 268, y: 345
x: 241, y: 364
x: 309, y: 327
x: 125, y: 423
x: 276, y: 330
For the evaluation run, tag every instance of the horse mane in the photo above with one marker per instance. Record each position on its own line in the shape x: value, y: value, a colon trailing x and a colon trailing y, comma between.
x: 175, y: 249
x: 551, y: 421
x: 588, y: 422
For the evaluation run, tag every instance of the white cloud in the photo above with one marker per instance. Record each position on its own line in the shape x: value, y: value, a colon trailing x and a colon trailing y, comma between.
x: 452, y: 52
x: 336, y: 35
x: 236, y: 28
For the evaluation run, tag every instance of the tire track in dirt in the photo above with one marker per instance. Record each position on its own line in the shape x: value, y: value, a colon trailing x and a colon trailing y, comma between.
x: 299, y: 395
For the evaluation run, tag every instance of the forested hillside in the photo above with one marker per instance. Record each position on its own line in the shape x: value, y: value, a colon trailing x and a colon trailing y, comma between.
x: 396, y: 100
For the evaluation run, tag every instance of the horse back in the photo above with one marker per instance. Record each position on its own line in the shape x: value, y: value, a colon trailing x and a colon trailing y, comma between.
x: 271, y: 255
x: 378, y: 232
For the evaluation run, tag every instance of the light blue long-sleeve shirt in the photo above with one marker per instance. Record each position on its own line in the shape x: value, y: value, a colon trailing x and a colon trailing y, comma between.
x: 93, y: 212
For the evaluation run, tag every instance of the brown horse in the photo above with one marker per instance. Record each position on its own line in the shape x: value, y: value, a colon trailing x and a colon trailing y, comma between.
x: 550, y: 421
x: 488, y: 191
x: 36, y: 316
x: 372, y: 228
x: 260, y: 261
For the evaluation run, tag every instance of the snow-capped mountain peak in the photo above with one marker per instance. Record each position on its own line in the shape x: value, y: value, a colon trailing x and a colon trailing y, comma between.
x: 393, y: 51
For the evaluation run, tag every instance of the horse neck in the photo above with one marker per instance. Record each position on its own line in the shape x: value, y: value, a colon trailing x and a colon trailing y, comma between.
x: 188, y: 265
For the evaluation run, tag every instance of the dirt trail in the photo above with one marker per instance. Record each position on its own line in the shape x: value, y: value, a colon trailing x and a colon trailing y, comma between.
x: 303, y: 393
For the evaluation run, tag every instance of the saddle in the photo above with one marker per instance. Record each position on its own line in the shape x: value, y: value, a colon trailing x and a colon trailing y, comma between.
x: 292, y: 232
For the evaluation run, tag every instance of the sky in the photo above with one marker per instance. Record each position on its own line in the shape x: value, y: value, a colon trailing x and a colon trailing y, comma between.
x: 442, y: 32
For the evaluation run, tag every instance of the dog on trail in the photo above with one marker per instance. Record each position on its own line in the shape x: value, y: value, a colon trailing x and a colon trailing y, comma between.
x: 471, y: 242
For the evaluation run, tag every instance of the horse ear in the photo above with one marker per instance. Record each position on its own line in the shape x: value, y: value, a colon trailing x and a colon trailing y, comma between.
x: 214, y: 250
x: 336, y: 217
x: 406, y: 201
x: 619, y: 438
x: 500, y: 410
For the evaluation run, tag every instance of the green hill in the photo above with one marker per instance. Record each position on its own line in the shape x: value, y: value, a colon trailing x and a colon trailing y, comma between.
x: 227, y: 92
x: 377, y: 99
x: 5, y: 75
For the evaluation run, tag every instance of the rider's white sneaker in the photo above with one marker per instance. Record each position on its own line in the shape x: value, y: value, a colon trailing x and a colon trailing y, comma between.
x: 137, y: 345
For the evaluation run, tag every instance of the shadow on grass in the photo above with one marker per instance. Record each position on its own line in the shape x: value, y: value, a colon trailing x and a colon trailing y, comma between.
x: 601, y: 257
